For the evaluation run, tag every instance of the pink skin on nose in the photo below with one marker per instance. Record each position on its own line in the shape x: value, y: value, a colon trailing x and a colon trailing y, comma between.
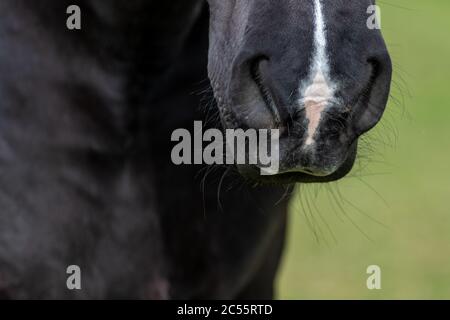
x: 316, y: 97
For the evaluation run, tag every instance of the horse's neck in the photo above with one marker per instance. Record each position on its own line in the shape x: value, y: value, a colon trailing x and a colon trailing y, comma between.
x: 119, y: 29
x: 160, y: 26
x: 83, y: 89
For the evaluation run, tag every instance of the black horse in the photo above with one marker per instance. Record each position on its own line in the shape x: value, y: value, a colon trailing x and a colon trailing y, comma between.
x: 86, y: 118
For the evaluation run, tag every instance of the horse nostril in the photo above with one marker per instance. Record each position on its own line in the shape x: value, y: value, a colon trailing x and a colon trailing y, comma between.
x: 256, y: 72
x: 375, y: 66
x: 375, y: 96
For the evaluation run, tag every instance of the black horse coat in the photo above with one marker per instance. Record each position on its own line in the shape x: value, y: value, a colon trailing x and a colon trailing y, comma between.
x: 85, y: 172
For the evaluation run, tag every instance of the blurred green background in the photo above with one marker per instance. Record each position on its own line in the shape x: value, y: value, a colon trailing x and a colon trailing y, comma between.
x: 394, y: 208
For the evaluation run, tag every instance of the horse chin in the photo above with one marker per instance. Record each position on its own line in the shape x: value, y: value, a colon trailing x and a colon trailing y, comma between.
x: 253, y: 173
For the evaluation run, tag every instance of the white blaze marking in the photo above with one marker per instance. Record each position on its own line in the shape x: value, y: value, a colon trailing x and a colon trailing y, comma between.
x: 318, y: 91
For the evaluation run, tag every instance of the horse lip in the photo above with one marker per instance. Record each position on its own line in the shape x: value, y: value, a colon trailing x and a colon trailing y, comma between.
x: 310, y: 172
x: 316, y: 172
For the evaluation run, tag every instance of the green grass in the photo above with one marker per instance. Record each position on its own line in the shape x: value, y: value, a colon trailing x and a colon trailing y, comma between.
x: 405, y: 186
